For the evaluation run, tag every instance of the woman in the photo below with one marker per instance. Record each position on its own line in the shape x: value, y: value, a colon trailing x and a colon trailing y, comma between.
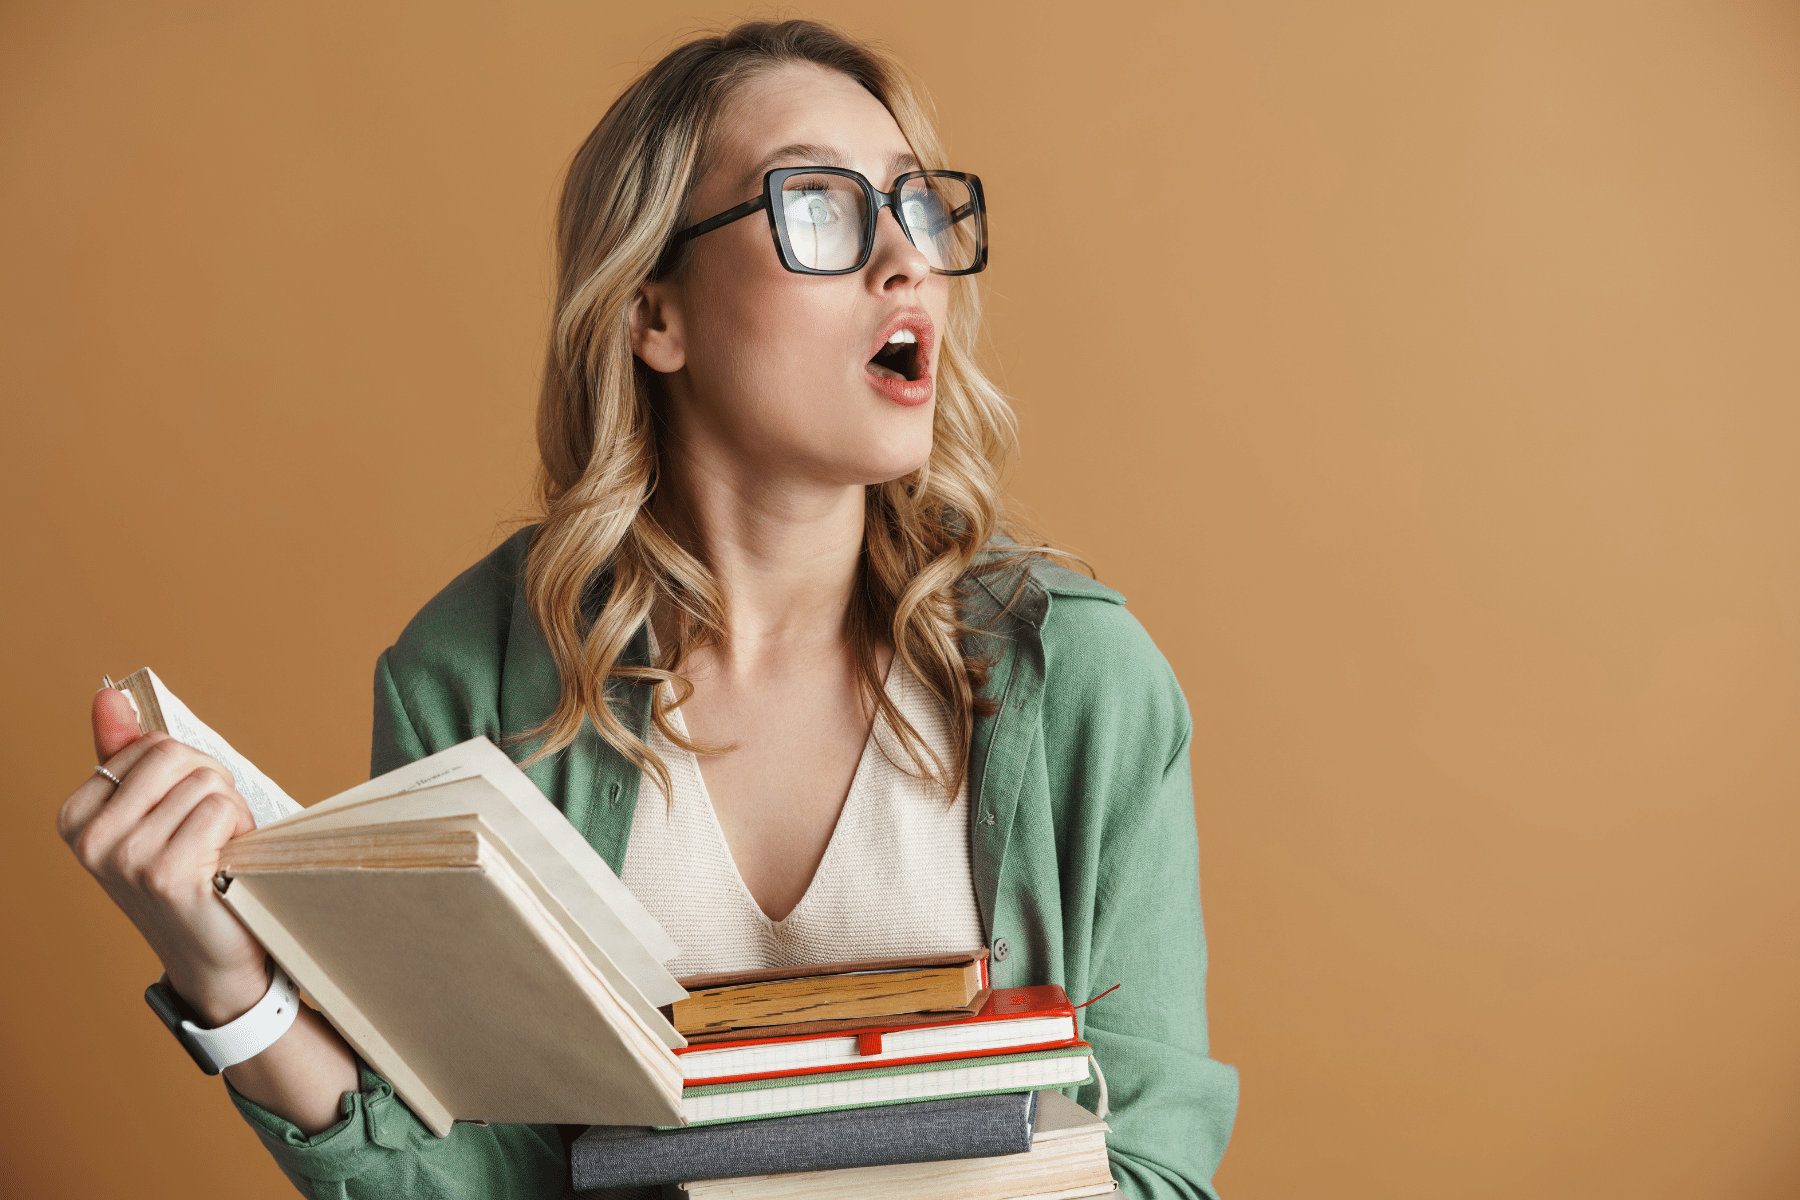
x: 770, y: 581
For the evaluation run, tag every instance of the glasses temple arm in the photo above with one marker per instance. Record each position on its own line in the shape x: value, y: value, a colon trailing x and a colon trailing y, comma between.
x: 724, y: 218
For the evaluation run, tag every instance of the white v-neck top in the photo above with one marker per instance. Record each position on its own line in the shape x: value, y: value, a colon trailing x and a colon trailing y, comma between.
x: 895, y: 879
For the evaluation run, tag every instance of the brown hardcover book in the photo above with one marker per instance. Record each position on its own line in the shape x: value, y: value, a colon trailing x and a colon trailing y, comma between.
x: 829, y: 991
x: 853, y: 1025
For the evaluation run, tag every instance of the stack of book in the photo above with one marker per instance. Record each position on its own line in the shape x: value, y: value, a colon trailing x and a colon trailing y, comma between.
x: 863, y: 1081
x: 475, y: 950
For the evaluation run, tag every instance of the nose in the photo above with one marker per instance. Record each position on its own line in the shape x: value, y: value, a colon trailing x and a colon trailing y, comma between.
x: 894, y: 262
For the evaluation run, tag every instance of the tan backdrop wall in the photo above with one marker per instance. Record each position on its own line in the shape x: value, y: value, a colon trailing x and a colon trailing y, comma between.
x: 1425, y: 374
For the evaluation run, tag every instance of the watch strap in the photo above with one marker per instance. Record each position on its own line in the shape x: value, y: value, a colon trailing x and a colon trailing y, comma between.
x: 215, y: 1049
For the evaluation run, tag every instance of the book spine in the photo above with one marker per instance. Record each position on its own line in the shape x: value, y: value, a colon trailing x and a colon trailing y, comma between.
x: 929, y: 1131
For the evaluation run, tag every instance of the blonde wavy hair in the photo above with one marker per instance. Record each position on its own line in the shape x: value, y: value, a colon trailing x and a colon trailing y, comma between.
x: 625, y: 196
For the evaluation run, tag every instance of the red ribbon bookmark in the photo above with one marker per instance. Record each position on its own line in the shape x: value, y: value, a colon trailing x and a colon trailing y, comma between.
x: 1109, y: 991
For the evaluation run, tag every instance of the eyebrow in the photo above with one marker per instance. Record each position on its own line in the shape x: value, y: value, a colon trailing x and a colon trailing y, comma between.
x: 812, y: 154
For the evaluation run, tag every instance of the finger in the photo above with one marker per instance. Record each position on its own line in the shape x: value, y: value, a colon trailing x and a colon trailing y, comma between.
x: 157, y: 756
x: 185, y: 796
x: 212, y: 822
x: 121, y: 763
x: 91, y: 795
x: 115, y: 723
x: 82, y: 806
x: 157, y: 769
x: 87, y: 800
x: 149, y: 766
x: 115, y: 728
x: 146, y: 841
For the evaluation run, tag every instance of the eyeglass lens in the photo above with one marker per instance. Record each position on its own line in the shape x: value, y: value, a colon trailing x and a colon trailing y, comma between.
x: 825, y: 216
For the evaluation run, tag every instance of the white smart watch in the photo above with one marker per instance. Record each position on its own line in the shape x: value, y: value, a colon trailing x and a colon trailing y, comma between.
x: 228, y: 1045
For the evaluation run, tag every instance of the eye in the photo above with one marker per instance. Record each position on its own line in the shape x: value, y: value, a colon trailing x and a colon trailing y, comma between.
x: 811, y: 206
x: 927, y: 213
x: 823, y: 219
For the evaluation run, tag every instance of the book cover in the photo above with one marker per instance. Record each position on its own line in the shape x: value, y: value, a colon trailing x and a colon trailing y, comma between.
x: 1012, y: 1020
x: 929, y: 1130
x: 1067, y: 1159
x: 460, y: 986
x: 847, y: 990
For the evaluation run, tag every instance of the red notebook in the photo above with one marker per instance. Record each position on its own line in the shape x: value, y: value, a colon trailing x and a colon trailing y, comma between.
x: 1011, y: 1021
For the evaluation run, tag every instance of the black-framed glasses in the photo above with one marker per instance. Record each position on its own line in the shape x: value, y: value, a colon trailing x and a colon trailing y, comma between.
x: 823, y: 219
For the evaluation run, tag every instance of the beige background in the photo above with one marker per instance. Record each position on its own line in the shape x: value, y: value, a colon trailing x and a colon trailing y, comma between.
x: 1425, y: 373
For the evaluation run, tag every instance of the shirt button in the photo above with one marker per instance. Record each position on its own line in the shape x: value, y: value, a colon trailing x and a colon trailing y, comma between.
x: 1001, y: 950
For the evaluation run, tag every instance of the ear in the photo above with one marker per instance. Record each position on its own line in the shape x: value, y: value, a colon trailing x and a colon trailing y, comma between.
x: 656, y: 329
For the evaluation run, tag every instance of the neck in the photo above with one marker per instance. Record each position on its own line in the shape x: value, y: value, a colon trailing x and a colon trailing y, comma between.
x: 784, y: 553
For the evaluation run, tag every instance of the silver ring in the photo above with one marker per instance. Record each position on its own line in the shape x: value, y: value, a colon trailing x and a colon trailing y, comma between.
x: 117, y: 782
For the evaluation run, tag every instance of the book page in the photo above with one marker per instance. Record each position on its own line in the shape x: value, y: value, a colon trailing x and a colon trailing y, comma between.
x: 268, y: 803
x: 479, y: 756
x: 1058, y: 1116
x: 569, y: 868
x: 603, y: 937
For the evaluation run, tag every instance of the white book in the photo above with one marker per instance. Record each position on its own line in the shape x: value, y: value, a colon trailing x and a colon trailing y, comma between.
x: 462, y: 936
x: 596, y: 900
x: 893, y: 1085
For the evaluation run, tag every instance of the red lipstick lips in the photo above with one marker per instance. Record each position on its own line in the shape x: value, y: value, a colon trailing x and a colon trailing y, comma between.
x: 908, y: 325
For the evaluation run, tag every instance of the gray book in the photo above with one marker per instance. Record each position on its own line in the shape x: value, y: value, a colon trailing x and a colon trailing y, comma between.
x: 609, y: 1156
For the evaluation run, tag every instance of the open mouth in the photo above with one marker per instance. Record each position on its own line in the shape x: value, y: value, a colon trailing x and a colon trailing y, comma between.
x: 898, y: 359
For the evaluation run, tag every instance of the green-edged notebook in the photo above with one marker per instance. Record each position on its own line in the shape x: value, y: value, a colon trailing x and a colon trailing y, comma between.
x: 750, y: 1099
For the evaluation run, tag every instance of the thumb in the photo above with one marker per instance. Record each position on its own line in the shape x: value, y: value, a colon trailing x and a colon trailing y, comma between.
x: 115, y: 723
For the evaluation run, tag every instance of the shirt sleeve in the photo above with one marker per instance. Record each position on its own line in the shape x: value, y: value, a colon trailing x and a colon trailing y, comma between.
x: 1116, y: 735
x: 380, y: 1149
x: 1172, y: 1105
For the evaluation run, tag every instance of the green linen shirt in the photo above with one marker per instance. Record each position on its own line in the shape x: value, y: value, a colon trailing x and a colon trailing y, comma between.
x: 1082, y: 844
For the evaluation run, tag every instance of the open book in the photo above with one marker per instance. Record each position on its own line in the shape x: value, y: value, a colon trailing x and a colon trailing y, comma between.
x: 465, y: 939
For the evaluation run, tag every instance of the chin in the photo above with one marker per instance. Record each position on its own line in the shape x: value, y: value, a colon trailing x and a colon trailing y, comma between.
x: 871, y: 474
x: 894, y: 461
x: 889, y: 476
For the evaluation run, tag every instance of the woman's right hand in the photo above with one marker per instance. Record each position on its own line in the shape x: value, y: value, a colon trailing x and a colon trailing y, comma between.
x: 153, y: 842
